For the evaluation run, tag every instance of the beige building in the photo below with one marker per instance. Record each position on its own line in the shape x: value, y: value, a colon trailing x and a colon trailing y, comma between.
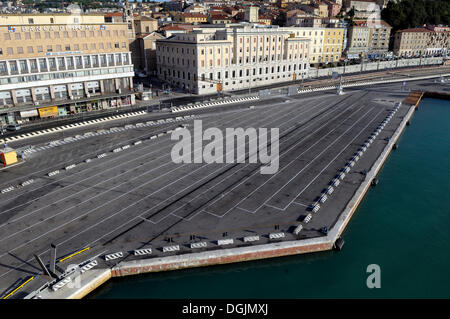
x: 146, y: 57
x: 58, y: 64
x: 367, y: 38
x: 190, y: 17
x: 208, y: 60
x: 196, y: 8
x: 332, y: 44
x: 252, y: 14
x: 422, y: 41
x: 316, y: 37
x: 144, y: 25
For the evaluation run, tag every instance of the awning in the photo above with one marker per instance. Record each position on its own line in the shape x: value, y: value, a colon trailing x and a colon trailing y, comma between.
x: 48, y: 111
x: 30, y: 113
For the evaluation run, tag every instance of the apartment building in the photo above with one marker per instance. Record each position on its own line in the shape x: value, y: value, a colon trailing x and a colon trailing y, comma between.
x: 326, y: 43
x: 190, y: 17
x: 210, y: 60
x: 58, y: 64
x: 367, y: 38
x: 333, y: 42
x: 422, y: 41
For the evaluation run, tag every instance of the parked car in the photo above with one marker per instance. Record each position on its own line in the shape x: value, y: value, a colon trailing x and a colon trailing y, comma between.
x: 13, y: 127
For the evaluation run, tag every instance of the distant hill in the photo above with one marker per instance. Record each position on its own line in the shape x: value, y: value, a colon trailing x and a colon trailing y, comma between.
x: 413, y: 13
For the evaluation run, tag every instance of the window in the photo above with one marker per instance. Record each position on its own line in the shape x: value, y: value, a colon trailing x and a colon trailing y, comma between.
x: 37, y: 35
x: 61, y: 62
x: 30, y: 21
x: 74, y: 34
x: 43, y: 64
x: 1, y: 51
x: 52, y: 63
x: 69, y: 62
x: 93, y: 46
x: 47, y: 35
x: 7, y: 36
x: 66, y: 34
x: 56, y: 35
x: 33, y: 65
x: 85, y: 47
x: 76, y: 47
x: 17, y: 36
x: 116, y: 45
x: 78, y: 61
x: 67, y: 47
x: 30, y: 49
x: 40, y: 49
x: 87, y: 61
x: 52, y: 20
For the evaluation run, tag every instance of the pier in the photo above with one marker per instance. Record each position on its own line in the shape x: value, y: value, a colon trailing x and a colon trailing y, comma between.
x: 337, y: 140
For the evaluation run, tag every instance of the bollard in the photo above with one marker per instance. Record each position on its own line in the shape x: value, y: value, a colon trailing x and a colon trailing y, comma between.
x: 276, y: 235
x: 315, y: 208
x: 329, y: 190
x: 140, y: 252
x: 171, y: 248
x: 6, y: 190
x: 89, y: 266
x: 53, y: 173
x: 113, y: 256
x: 201, y: 244
x: 28, y: 182
x: 222, y: 242
x: 251, y: 238
x: 298, y: 229
x: 307, y: 218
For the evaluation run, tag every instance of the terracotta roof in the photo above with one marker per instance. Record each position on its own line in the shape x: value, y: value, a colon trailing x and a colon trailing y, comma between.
x: 145, y: 18
x: 415, y: 30
x: 220, y: 17
x: 114, y: 14
x: 193, y: 15
x: 173, y: 28
x: 363, y: 23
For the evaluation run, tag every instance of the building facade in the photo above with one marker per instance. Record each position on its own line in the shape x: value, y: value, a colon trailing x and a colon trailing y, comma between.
x: 422, y: 41
x: 55, y: 65
x: 207, y: 61
x: 368, y: 38
x: 333, y: 42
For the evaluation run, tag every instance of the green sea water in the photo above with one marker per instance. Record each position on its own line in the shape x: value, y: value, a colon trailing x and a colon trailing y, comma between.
x: 402, y: 225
